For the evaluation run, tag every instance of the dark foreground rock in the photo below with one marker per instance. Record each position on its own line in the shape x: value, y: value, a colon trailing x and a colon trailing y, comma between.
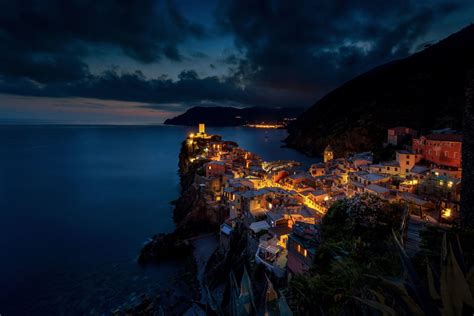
x: 164, y: 247
x: 176, y: 298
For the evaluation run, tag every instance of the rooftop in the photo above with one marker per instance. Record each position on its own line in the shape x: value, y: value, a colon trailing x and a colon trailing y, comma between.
x: 445, y: 137
x: 280, y: 230
x: 419, y: 169
x: 370, y: 176
x: 378, y: 189
x: 405, y: 152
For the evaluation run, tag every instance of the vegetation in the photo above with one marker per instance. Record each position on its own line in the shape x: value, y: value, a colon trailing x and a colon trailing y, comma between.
x: 356, y: 242
x: 447, y: 289
x: 362, y: 268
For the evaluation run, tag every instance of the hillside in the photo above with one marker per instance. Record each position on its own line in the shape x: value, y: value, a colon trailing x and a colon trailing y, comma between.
x: 423, y: 91
x: 230, y: 116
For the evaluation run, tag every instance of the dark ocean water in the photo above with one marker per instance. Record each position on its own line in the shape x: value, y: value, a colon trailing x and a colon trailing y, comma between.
x: 78, y: 202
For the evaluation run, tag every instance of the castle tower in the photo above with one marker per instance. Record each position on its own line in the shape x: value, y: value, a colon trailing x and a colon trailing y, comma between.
x: 328, y: 153
x: 202, y: 128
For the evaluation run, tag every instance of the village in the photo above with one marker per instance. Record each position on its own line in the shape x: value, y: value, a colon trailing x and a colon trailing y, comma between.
x: 282, y: 202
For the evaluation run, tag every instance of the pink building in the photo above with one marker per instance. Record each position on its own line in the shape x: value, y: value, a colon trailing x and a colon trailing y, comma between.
x: 440, y: 149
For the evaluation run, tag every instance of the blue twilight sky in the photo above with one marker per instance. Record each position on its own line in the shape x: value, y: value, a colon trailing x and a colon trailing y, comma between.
x: 132, y: 62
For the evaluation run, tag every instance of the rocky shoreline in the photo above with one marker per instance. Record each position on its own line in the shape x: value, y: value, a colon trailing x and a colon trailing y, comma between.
x: 190, y: 214
x: 193, y: 219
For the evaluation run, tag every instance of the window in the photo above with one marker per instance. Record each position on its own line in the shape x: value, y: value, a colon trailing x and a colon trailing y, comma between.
x: 408, y: 157
x: 301, y: 250
x: 396, y: 169
x: 446, y: 154
x: 455, y: 155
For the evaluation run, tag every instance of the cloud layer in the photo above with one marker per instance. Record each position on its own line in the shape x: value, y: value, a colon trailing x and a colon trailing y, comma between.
x: 285, y: 53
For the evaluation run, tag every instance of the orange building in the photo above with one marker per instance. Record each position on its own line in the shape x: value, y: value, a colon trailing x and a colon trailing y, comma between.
x: 440, y: 149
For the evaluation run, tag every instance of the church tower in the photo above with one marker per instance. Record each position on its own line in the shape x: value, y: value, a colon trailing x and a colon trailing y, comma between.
x: 328, y: 154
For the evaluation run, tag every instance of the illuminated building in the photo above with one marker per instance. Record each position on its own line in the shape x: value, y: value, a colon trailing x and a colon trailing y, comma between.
x: 328, y: 154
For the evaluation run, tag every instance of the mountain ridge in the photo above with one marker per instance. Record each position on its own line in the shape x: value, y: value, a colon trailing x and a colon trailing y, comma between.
x: 232, y: 116
x: 423, y: 91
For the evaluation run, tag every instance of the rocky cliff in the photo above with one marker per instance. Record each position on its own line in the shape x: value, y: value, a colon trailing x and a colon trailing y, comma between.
x: 192, y: 214
x: 423, y: 91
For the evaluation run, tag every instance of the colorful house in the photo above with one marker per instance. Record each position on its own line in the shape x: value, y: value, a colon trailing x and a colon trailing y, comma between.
x: 215, y: 168
x: 440, y: 149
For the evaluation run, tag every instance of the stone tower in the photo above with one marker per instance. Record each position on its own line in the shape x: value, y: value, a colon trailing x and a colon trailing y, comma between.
x: 467, y: 193
x: 202, y: 128
x: 328, y: 153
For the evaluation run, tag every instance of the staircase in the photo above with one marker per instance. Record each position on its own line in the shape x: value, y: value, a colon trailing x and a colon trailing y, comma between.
x: 413, y: 238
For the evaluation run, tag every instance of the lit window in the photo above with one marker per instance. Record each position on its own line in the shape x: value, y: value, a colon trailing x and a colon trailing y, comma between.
x: 446, y: 213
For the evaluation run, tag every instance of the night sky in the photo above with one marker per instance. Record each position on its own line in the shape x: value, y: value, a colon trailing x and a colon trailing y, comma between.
x: 142, y: 61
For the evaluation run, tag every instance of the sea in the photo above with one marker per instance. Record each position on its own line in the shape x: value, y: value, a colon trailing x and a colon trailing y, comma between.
x: 77, y: 203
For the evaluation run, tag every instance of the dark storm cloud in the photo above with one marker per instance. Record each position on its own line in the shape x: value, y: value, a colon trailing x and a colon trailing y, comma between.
x: 134, y: 87
x: 310, y: 46
x: 189, y: 89
x: 46, y: 40
x: 287, y: 52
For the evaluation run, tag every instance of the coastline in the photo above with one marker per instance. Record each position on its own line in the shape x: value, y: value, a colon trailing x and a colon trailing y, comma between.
x: 195, y: 225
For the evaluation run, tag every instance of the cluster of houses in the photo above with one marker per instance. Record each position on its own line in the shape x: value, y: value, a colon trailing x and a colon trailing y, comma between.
x: 282, y: 202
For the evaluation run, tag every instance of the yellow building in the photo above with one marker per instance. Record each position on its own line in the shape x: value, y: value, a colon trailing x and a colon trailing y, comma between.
x: 407, y: 161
